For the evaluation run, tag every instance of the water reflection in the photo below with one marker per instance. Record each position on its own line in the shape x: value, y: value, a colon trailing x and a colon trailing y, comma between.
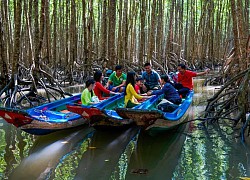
x: 155, y: 157
x: 100, y: 161
x: 48, y: 152
x: 13, y: 149
x: 191, y: 152
x: 211, y: 152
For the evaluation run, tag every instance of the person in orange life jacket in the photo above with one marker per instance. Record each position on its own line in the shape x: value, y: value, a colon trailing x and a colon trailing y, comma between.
x: 116, y: 81
x: 99, y: 89
x: 185, y: 79
x: 170, y: 93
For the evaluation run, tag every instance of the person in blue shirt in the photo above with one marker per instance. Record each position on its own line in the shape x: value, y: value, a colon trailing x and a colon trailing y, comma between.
x: 170, y: 93
x: 151, y: 78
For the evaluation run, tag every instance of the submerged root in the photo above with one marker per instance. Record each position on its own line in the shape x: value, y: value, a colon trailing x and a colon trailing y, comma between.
x: 231, y: 103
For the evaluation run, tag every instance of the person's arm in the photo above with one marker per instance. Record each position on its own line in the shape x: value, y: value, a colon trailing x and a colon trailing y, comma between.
x: 158, y: 79
x: 103, y: 89
x: 159, y: 92
x: 156, y: 92
x: 203, y: 73
x: 132, y: 90
x: 122, y: 84
x: 110, y: 80
x: 137, y: 89
x: 108, y: 83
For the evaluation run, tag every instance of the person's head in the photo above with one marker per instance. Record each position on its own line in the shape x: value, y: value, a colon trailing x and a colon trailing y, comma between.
x: 118, y: 70
x: 164, y: 79
x: 98, y: 76
x: 139, y: 81
x: 90, y: 84
x: 147, y: 67
x: 181, y: 68
x: 130, y: 78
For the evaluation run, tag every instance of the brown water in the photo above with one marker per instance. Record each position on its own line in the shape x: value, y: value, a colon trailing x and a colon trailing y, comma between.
x: 191, y: 152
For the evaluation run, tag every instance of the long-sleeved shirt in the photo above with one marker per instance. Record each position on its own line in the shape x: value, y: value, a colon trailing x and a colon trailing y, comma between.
x: 99, y: 89
x: 131, y: 95
x: 86, y: 97
x: 170, y: 93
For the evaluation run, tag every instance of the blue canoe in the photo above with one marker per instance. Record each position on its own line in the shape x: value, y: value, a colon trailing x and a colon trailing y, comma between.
x: 104, y: 115
x: 44, y: 119
x: 150, y: 118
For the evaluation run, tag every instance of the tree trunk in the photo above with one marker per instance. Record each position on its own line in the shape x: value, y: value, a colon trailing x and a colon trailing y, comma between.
x: 48, y: 33
x: 3, y: 64
x: 54, y: 52
x: 85, y: 37
x: 73, y: 41
x: 67, y: 33
x: 125, y: 31
x: 151, y: 43
x: 111, y: 35
x: 17, y: 41
x: 159, y: 36
x: 142, y: 32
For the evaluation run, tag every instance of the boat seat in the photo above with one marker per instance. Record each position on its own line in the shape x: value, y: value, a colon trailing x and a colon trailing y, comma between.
x: 57, y: 115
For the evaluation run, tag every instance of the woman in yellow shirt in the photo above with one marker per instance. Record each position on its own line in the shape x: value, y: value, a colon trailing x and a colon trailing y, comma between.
x: 130, y: 95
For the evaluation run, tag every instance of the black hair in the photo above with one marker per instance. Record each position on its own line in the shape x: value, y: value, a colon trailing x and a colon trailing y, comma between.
x: 97, y: 76
x: 130, y: 79
x: 118, y: 67
x: 183, y: 66
x: 165, y: 78
x: 138, y: 78
x: 88, y: 83
x: 147, y: 64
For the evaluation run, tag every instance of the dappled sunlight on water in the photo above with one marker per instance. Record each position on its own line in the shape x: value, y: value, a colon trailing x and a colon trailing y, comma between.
x: 189, y: 152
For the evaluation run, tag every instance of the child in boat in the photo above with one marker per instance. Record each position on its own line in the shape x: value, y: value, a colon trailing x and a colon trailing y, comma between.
x: 130, y: 95
x: 88, y: 96
x: 170, y: 93
x: 139, y: 85
x: 99, y: 89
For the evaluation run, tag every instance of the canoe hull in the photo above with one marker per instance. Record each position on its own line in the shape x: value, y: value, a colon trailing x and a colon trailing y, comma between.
x: 16, y: 117
x: 156, y: 120
x: 44, y: 119
x: 37, y: 127
x: 101, y: 118
x: 142, y: 118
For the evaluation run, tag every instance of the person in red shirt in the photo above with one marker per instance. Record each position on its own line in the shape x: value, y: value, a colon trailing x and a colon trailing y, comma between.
x: 185, y: 79
x: 139, y: 85
x: 99, y: 89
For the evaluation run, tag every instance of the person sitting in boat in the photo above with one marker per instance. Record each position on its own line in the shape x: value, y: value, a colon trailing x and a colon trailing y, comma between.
x: 170, y: 93
x: 139, y: 85
x: 130, y: 95
x: 117, y: 79
x: 185, y: 79
x: 88, y: 96
x: 151, y: 77
x: 99, y: 89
